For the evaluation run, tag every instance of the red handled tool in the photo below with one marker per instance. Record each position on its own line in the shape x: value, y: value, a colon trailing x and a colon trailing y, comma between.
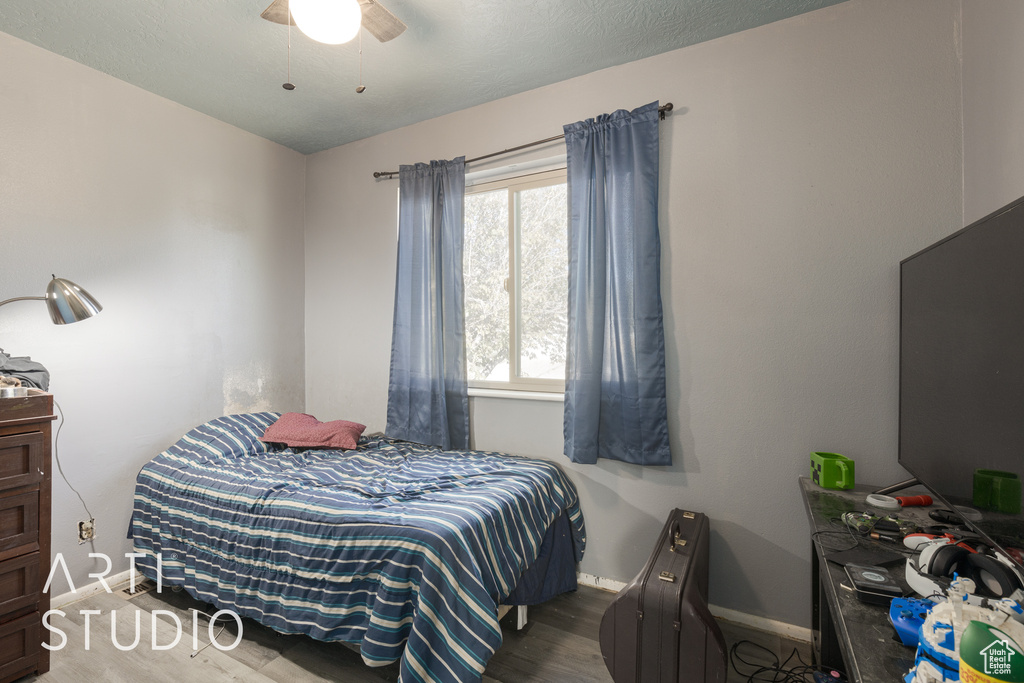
x: 908, y: 501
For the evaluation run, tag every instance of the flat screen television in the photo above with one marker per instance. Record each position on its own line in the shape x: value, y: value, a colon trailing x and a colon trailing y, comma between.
x: 961, y: 368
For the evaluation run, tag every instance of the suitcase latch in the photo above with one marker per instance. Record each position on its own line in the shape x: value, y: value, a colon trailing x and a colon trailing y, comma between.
x: 689, y: 515
x: 667, y: 576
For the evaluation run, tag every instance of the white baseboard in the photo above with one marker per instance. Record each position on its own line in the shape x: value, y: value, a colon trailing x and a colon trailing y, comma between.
x: 115, y: 581
x: 599, y: 582
x: 781, y: 628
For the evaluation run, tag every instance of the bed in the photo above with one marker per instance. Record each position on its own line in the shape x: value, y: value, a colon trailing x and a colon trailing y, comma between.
x: 402, y: 550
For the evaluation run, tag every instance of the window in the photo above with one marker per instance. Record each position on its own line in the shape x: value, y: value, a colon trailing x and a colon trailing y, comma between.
x: 516, y: 264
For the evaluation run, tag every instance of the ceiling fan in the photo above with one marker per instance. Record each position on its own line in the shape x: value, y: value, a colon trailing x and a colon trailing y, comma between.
x: 376, y: 19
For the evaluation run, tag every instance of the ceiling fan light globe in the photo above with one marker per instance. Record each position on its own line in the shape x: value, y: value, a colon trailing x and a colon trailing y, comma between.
x: 327, y: 21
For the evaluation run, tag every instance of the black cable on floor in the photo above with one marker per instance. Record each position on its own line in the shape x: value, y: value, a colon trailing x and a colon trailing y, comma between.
x: 792, y: 670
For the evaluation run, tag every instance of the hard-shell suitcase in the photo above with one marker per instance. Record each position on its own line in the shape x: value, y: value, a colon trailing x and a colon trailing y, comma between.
x: 658, y: 629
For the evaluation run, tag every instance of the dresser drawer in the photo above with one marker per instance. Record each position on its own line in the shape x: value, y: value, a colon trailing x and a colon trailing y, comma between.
x: 19, y: 584
x: 19, y: 524
x: 19, y: 645
x: 21, y: 459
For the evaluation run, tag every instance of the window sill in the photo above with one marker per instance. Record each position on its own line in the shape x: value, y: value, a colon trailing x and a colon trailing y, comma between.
x: 514, y: 393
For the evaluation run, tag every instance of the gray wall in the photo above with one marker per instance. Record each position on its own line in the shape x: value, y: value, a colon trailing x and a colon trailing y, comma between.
x: 803, y: 161
x: 993, y: 61
x: 187, y: 230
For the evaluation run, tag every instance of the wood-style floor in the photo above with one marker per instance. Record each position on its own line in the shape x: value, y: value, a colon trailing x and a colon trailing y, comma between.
x: 558, y: 645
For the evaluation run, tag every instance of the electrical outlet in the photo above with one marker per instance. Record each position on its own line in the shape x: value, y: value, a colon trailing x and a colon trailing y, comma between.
x: 86, y: 531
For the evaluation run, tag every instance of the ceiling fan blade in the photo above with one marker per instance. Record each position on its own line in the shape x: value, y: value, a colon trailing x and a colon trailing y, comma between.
x: 277, y: 13
x: 381, y: 23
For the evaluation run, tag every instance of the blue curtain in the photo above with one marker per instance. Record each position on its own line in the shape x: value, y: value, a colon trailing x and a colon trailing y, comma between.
x: 615, y: 367
x: 427, y: 398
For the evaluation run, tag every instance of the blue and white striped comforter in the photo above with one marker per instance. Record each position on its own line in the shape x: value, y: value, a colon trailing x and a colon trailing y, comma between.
x: 400, y: 548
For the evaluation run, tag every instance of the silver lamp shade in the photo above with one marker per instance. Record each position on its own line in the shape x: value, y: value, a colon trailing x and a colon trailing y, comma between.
x: 69, y: 303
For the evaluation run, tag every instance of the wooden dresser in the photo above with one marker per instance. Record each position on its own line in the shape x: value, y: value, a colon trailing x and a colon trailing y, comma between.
x: 25, y: 429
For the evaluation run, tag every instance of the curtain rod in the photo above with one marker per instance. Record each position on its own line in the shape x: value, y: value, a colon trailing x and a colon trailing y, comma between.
x: 662, y: 111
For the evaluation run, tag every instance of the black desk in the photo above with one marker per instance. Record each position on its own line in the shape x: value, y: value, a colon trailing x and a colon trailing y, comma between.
x: 851, y: 635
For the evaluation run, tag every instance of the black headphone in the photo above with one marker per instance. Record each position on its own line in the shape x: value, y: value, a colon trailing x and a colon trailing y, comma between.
x: 992, y: 578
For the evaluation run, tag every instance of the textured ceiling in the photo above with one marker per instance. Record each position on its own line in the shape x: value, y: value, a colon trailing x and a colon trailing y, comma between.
x: 219, y: 57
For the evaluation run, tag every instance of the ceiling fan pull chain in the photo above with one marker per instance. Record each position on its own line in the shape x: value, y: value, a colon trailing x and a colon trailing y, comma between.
x: 360, y: 88
x: 288, y: 85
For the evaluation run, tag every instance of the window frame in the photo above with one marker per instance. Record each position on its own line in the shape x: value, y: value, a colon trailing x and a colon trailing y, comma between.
x: 513, y: 185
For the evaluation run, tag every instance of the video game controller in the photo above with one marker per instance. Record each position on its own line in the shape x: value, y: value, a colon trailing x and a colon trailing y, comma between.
x: 918, y: 540
x: 907, y: 615
x: 867, y: 522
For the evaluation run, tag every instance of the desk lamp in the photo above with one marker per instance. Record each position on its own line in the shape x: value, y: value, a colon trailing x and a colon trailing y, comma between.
x: 67, y: 302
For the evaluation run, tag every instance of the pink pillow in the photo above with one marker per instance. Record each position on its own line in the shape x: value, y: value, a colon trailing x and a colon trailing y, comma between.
x: 301, y: 430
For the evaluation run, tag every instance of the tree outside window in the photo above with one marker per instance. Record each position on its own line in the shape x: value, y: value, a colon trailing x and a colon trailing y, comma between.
x: 516, y: 282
